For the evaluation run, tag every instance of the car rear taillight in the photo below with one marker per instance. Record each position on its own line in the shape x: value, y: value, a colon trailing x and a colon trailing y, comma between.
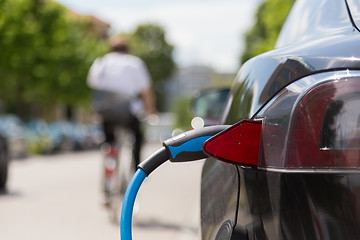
x: 241, y: 139
x: 314, y: 123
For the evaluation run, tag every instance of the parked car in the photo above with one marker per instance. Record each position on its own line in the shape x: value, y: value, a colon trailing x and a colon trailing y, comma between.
x: 207, y: 105
x: 69, y: 136
x: 38, y: 138
x: 61, y: 135
x: 293, y: 170
x: 4, y: 162
x: 13, y: 129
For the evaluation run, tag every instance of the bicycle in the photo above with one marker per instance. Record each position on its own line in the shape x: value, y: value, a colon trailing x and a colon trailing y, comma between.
x: 118, y: 169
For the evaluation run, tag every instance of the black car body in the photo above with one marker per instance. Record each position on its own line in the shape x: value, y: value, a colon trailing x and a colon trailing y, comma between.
x: 4, y: 162
x: 306, y: 94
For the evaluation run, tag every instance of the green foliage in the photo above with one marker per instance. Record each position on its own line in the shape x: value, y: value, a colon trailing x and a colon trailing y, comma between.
x: 46, y: 53
x: 262, y: 37
x: 183, y: 116
x: 149, y: 43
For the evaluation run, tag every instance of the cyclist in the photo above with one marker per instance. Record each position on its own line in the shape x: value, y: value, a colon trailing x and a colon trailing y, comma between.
x: 122, y: 92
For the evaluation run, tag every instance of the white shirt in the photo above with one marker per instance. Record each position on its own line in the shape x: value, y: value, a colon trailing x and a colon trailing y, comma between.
x: 120, y: 73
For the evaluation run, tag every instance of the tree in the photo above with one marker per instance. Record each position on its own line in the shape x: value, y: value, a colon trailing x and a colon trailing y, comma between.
x: 149, y: 43
x: 46, y: 53
x: 262, y: 37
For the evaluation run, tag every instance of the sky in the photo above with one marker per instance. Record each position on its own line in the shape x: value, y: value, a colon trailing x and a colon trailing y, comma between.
x: 203, y: 32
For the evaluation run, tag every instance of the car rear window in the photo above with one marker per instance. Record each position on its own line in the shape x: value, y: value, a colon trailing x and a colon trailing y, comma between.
x: 311, y: 19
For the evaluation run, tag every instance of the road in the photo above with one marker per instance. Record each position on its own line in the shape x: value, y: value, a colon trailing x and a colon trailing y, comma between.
x: 58, y: 197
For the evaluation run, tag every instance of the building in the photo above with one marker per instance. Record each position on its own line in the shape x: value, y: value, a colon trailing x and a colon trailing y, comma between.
x: 188, y: 80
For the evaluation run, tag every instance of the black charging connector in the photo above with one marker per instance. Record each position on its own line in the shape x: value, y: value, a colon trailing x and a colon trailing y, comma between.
x: 182, y: 148
x: 188, y: 145
x: 154, y: 161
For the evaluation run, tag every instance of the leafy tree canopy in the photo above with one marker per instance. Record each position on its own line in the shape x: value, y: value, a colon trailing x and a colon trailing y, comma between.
x: 148, y: 42
x: 46, y: 53
x: 47, y: 50
x: 262, y: 37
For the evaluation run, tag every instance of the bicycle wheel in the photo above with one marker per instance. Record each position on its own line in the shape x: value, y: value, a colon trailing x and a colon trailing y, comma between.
x: 126, y: 162
x: 110, y: 166
x: 123, y: 172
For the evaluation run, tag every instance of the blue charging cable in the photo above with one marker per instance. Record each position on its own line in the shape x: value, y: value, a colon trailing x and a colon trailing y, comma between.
x: 128, y: 204
x: 144, y: 169
x: 183, y: 148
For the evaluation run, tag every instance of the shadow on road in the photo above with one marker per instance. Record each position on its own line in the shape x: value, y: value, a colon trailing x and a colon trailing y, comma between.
x: 156, y: 224
x: 7, y: 193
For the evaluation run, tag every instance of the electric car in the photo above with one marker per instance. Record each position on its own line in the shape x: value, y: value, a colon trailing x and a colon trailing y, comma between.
x: 291, y: 170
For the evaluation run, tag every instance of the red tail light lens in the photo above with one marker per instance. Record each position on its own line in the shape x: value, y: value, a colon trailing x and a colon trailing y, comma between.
x: 325, y: 130
x: 314, y: 123
x: 239, y: 144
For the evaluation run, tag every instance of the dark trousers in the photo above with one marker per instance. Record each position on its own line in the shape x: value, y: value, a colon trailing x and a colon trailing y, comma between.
x: 132, y: 125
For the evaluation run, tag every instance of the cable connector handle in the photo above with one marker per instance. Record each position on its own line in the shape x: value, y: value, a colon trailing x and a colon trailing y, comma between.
x: 188, y: 145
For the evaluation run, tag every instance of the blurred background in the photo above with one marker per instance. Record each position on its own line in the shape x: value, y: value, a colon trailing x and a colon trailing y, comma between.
x: 50, y: 184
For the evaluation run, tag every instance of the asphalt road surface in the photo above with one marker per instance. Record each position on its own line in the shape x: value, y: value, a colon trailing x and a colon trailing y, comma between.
x: 58, y: 197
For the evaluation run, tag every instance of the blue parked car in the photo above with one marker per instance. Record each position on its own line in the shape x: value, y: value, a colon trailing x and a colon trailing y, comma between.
x: 13, y: 129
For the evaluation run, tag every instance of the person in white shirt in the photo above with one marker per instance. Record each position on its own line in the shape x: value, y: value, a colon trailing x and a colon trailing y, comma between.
x: 125, y: 78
